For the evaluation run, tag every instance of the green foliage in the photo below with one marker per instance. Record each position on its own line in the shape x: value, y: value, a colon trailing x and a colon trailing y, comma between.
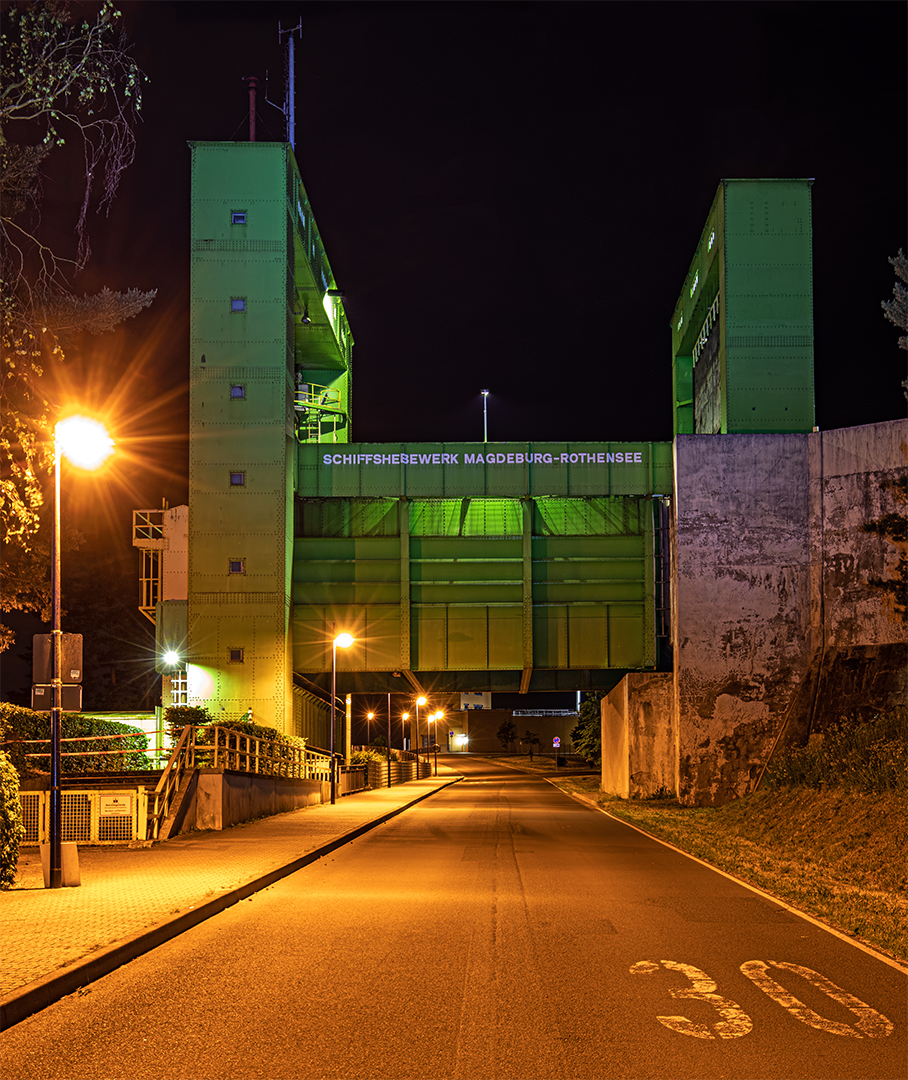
x: 369, y: 753
x: 11, y: 828
x: 59, y: 76
x: 22, y: 724
x: 176, y: 717
x: 506, y: 734
x: 587, y: 734
x: 530, y: 739
x: 854, y: 754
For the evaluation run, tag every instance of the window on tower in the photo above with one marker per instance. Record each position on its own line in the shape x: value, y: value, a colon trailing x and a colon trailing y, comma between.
x: 238, y: 217
x: 235, y: 656
x: 236, y: 566
x: 237, y: 304
x: 237, y: 392
x: 237, y: 479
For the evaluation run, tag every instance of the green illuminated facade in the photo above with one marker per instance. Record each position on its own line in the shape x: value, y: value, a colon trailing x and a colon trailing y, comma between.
x: 460, y: 566
x: 742, y: 329
x: 270, y: 364
x: 456, y: 567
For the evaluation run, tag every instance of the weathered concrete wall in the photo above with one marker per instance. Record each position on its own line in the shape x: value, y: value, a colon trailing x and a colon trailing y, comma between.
x: 773, y: 593
x: 638, y: 740
x: 220, y: 798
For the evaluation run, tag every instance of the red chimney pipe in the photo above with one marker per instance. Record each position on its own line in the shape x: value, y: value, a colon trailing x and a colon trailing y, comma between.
x: 252, y: 82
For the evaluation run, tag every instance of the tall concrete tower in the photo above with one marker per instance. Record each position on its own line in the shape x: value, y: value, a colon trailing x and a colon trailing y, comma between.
x: 269, y: 368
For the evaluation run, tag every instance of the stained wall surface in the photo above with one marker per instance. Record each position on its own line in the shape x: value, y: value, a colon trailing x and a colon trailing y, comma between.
x: 638, y: 738
x: 780, y: 625
x: 774, y: 577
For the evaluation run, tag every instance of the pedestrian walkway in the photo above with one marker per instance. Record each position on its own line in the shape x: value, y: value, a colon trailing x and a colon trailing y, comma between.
x: 133, y: 899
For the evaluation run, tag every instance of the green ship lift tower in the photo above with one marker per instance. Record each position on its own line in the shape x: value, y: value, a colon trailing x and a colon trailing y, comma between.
x: 458, y: 567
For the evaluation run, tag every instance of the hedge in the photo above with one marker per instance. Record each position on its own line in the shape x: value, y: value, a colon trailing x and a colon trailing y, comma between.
x: 18, y: 725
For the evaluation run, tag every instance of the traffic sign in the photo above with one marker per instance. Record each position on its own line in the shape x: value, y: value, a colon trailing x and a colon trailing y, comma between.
x: 556, y: 741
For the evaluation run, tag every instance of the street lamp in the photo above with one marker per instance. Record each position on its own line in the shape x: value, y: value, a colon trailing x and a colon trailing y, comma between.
x: 436, y: 719
x: 344, y: 641
x: 419, y: 701
x: 485, y: 415
x: 87, y: 445
x: 370, y: 716
x: 404, y: 717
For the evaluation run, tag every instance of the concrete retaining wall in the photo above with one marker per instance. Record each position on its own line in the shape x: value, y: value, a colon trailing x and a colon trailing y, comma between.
x: 638, y: 736
x: 778, y: 624
x: 219, y: 798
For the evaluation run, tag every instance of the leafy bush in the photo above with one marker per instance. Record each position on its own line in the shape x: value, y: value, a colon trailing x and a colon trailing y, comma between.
x: 21, y: 725
x: 371, y: 753
x: 176, y: 717
x: 11, y: 828
x: 861, y: 755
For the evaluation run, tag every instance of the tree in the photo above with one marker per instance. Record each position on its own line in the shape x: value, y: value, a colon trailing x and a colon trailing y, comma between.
x: 506, y: 734
x: 531, y: 739
x: 587, y: 735
x: 58, y: 76
x: 896, y: 309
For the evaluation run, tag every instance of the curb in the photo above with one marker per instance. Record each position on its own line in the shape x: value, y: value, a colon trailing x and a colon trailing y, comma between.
x: 50, y: 989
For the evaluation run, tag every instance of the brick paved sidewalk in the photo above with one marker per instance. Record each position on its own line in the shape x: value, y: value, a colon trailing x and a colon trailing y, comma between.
x: 132, y: 899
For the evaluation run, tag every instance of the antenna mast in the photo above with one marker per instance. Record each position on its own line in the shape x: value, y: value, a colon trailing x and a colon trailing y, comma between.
x: 289, y: 109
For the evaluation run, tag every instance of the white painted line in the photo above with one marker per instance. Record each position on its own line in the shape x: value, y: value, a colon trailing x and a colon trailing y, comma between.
x: 891, y: 961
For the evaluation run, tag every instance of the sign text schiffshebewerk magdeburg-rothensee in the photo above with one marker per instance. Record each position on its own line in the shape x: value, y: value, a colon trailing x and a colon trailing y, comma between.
x: 488, y: 457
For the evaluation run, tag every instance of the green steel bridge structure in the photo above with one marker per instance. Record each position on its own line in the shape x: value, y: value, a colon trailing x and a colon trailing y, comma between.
x: 457, y: 567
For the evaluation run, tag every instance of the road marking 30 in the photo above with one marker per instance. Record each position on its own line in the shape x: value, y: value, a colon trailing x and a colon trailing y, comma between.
x: 734, y: 1020
x: 870, y: 1023
x: 734, y: 1023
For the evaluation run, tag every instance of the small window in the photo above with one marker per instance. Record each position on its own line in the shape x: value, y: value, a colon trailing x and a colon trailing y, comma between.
x: 235, y: 656
x: 237, y: 479
x: 238, y: 217
x: 236, y: 566
x: 237, y: 303
x: 237, y: 392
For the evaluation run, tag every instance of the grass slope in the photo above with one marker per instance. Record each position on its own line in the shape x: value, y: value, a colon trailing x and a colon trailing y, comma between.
x: 836, y: 854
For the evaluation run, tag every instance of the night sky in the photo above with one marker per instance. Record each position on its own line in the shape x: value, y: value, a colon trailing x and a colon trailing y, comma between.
x: 509, y: 195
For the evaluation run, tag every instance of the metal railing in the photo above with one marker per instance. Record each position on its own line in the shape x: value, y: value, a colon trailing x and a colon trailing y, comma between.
x: 215, y: 747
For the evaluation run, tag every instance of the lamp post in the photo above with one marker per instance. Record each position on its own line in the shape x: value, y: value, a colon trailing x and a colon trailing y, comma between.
x: 404, y: 718
x: 419, y: 701
x: 436, y: 719
x: 345, y: 641
x: 485, y: 415
x: 87, y: 445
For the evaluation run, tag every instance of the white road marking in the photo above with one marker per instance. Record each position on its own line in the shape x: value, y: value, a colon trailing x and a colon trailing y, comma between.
x: 734, y: 1023
x: 873, y: 1024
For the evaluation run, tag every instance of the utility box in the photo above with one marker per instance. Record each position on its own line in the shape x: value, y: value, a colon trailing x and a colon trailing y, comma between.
x: 43, y: 658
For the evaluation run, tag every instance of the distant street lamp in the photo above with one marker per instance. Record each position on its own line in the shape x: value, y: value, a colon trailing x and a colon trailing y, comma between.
x: 419, y: 701
x: 404, y: 718
x: 436, y: 719
x: 344, y: 641
x: 485, y: 415
x: 87, y: 445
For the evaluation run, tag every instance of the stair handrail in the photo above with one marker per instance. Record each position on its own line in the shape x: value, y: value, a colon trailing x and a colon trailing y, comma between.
x: 169, y: 783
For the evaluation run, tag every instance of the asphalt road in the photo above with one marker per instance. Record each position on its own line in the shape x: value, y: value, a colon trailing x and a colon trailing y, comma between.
x: 497, y: 930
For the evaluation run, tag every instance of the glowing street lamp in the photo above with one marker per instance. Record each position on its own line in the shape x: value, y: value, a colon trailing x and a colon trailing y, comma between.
x: 436, y: 719
x: 344, y: 641
x: 485, y: 415
x: 87, y: 445
x: 419, y: 701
